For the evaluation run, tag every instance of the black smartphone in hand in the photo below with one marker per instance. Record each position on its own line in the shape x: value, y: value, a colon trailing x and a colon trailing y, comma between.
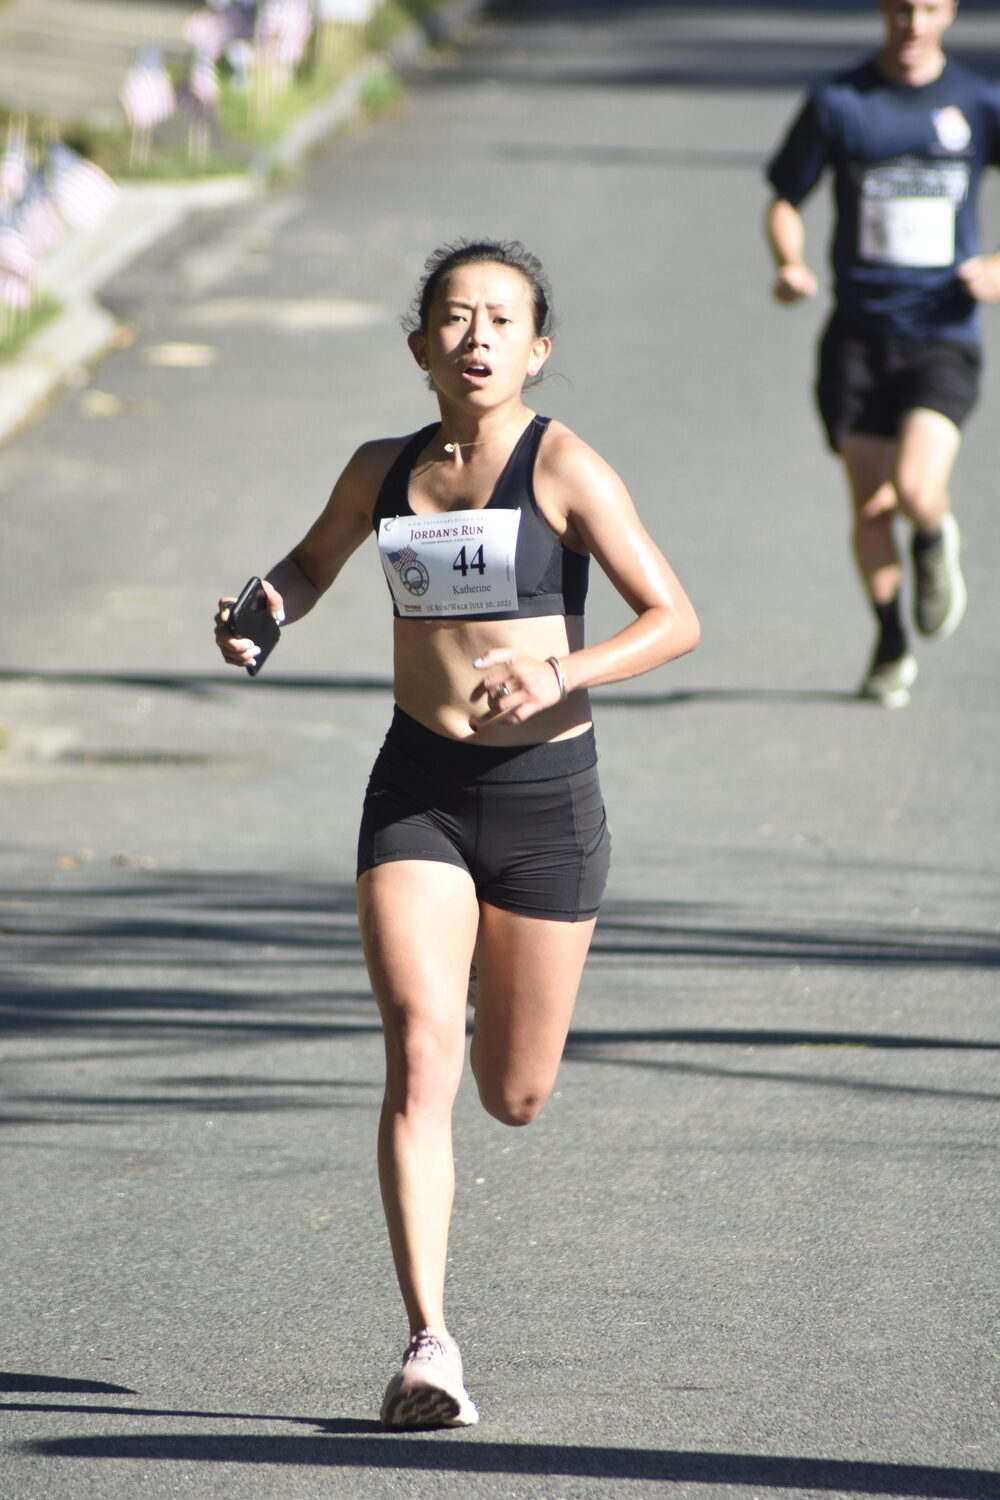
x: 250, y: 619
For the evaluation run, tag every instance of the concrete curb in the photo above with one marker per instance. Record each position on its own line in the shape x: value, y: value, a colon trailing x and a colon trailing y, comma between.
x: 61, y: 352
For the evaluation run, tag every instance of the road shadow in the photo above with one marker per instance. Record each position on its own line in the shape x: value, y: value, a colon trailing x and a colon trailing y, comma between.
x: 11, y: 1380
x: 658, y: 931
x: 342, y: 1446
x: 200, y: 684
x: 196, y: 684
x: 168, y: 972
x: 185, y: 924
x: 609, y: 1050
x: 346, y: 1442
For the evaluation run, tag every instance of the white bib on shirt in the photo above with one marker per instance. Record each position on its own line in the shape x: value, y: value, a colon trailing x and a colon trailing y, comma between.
x: 907, y: 231
x: 459, y: 563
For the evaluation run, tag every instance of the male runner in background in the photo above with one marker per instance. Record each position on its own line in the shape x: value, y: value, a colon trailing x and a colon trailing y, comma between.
x: 907, y: 134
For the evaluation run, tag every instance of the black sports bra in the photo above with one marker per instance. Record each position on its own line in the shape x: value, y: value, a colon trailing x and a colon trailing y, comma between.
x: 551, y: 578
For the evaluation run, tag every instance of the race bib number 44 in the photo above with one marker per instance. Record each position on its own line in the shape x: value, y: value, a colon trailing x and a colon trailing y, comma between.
x: 460, y: 563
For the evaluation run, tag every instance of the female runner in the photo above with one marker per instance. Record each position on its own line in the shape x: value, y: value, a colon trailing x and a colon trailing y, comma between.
x: 484, y: 846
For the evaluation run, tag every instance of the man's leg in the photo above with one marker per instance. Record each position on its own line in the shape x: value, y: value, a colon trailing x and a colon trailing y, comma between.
x: 925, y: 456
x: 870, y: 463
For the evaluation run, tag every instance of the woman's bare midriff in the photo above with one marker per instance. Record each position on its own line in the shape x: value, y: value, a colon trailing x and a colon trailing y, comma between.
x: 435, y: 678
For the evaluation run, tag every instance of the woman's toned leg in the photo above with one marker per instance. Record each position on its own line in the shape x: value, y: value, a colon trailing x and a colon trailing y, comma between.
x: 529, y: 972
x: 418, y: 926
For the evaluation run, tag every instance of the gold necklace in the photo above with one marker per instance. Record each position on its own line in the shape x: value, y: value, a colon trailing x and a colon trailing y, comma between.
x: 478, y: 443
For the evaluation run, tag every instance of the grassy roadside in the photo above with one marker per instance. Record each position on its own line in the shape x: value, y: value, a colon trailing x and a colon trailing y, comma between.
x: 24, y: 326
x: 246, y: 121
x: 246, y: 118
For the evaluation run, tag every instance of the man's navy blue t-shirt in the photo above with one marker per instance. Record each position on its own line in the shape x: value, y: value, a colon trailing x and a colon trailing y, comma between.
x: 906, y: 169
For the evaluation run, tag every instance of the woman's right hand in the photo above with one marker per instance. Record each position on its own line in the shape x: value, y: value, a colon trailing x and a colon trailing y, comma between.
x: 237, y: 651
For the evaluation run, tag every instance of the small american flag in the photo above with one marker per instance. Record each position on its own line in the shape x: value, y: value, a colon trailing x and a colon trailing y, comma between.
x: 355, y: 11
x: 37, y: 216
x: 16, y: 295
x: 15, y: 168
x: 201, y: 92
x: 16, y: 257
x: 402, y: 558
x: 147, y: 94
x: 283, y: 30
x: 212, y: 28
x: 83, y: 194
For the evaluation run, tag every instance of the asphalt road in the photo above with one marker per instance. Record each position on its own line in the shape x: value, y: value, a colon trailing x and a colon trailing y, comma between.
x: 750, y: 1248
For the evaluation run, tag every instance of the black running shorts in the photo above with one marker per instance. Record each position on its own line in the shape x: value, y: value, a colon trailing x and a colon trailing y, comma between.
x: 865, y: 383
x: 526, y: 821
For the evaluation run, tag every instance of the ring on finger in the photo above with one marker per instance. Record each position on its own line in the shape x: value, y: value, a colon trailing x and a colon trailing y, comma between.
x: 503, y: 691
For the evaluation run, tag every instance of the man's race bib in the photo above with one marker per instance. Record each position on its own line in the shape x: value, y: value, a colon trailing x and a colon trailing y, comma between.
x: 907, y: 231
x: 460, y: 563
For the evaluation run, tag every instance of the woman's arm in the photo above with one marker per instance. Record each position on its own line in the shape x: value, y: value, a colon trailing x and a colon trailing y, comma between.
x: 345, y: 522
x: 574, y: 482
x: 295, y: 583
x: 588, y: 506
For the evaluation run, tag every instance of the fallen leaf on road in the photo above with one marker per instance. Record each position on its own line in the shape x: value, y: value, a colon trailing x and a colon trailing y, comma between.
x: 101, y: 404
x: 94, y: 403
x: 180, y: 356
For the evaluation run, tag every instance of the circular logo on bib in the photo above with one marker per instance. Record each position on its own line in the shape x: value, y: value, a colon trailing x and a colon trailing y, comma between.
x: 414, y: 577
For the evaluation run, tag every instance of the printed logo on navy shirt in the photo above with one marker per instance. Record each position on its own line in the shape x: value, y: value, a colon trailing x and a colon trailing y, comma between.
x: 909, y: 177
x: 953, y: 130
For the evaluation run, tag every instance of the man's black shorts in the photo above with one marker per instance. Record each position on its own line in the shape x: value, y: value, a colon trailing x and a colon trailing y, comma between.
x: 865, y: 383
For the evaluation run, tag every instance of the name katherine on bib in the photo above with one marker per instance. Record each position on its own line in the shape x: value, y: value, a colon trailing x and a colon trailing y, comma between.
x: 455, y: 564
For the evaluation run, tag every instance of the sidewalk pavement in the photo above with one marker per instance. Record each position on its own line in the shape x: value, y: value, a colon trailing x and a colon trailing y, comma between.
x: 65, y: 60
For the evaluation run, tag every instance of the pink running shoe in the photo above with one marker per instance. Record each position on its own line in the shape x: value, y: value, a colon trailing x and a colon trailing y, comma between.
x: 429, y: 1390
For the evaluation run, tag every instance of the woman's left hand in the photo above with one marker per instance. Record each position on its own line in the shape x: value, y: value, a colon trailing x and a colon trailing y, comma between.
x: 512, y: 688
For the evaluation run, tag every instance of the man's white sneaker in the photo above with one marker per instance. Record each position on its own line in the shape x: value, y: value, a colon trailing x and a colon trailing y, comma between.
x: 889, y: 682
x: 939, y: 588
